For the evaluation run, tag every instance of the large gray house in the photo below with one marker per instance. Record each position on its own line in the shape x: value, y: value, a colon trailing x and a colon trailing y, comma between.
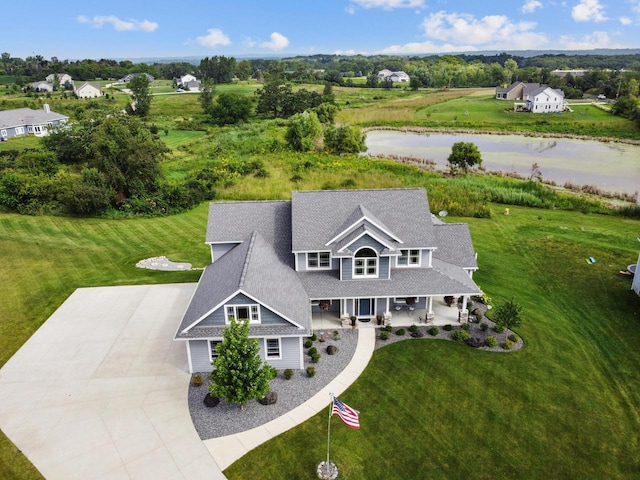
x: 338, y: 253
x: 26, y: 121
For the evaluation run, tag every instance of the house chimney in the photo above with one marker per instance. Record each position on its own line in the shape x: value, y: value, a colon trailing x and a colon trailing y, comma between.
x: 46, y: 108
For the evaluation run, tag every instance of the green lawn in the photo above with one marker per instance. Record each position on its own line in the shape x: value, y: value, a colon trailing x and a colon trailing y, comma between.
x: 565, y: 406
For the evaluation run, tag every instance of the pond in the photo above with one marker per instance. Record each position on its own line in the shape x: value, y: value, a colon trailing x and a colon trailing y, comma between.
x: 612, y: 167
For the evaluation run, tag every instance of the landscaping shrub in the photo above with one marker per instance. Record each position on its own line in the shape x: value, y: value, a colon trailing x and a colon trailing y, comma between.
x: 311, y: 371
x: 384, y: 335
x: 491, y: 341
x: 288, y: 374
x: 400, y: 331
x: 314, y: 337
x: 388, y: 328
x: 460, y: 336
x: 448, y: 327
x: 315, y: 358
x: 499, y: 328
x: 434, y: 331
x: 417, y: 334
x: 484, y: 326
x: 514, y: 338
x: 312, y: 351
x: 465, y: 326
x: 507, y: 345
x: 413, y: 328
x: 196, y: 380
x: 336, y: 335
x: 308, y: 344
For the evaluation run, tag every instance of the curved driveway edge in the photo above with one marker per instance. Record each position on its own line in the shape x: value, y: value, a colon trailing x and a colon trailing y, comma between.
x: 100, y: 390
x: 226, y: 450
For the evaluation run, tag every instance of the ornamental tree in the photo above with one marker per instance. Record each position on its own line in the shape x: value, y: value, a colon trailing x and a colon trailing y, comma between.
x: 508, y: 314
x: 464, y: 155
x: 239, y: 373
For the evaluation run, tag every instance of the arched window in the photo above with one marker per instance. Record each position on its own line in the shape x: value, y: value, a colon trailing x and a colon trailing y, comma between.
x: 365, y: 263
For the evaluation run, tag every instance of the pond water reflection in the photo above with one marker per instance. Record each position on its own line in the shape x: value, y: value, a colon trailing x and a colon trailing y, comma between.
x: 613, y: 167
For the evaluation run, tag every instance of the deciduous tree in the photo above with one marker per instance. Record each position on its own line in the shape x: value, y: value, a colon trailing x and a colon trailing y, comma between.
x: 141, y: 94
x: 239, y: 373
x: 464, y: 155
x: 231, y: 108
x: 344, y: 139
x: 508, y: 314
x: 303, y: 132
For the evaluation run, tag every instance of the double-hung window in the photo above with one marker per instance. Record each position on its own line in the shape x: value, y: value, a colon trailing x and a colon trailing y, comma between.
x: 318, y: 260
x: 213, y: 344
x: 242, y: 312
x: 272, y: 347
x: 409, y: 258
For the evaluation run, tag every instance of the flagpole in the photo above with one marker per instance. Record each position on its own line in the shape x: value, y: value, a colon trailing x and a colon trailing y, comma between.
x: 329, y: 427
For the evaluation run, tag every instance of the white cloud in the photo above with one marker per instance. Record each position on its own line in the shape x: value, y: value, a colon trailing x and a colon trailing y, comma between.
x: 588, y: 10
x: 389, y: 4
x: 490, y: 32
x: 426, y: 47
x: 587, y: 42
x: 249, y: 42
x: 118, y: 25
x: 213, y: 38
x: 277, y: 42
x: 626, y: 21
x: 351, y: 10
x: 530, y: 6
x: 635, y: 5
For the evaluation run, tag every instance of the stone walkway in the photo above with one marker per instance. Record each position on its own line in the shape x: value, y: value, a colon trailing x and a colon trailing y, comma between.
x: 163, y: 263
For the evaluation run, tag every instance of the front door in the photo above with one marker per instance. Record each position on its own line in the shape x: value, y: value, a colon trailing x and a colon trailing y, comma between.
x: 365, y: 307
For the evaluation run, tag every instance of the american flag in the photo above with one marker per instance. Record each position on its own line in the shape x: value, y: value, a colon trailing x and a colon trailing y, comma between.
x: 347, y: 414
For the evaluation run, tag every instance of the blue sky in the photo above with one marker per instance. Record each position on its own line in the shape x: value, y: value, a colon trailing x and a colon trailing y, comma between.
x: 137, y: 29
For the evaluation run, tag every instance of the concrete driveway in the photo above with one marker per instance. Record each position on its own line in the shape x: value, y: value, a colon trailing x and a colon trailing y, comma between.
x: 100, y: 390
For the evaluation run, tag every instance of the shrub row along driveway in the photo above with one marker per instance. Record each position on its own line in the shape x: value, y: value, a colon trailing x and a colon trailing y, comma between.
x: 100, y: 390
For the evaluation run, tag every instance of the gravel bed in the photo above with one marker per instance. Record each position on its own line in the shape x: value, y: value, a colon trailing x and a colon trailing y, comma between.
x: 225, y: 419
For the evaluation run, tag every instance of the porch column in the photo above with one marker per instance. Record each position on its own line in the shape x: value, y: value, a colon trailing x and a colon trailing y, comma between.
x: 386, y: 310
x: 430, y: 315
x: 464, y: 313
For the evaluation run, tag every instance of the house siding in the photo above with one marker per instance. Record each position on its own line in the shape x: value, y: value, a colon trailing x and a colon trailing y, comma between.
x: 290, y: 352
x: 383, y: 267
x: 366, y: 241
x: 290, y: 348
x: 267, y: 317
x: 347, y: 269
x: 200, y: 360
x: 219, y: 249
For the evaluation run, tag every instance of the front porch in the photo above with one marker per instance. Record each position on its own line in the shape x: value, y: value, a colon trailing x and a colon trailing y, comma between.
x: 405, y: 317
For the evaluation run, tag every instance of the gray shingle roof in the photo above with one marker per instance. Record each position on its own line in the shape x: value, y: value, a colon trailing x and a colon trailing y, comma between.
x: 454, y: 245
x: 235, y: 221
x: 27, y: 116
x: 318, y: 215
x: 442, y: 279
x: 252, y: 267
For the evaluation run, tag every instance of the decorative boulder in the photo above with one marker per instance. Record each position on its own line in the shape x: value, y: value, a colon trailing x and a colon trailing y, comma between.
x: 269, y: 399
x: 211, y: 401
x: 332, y: 350
x: 475, y: 342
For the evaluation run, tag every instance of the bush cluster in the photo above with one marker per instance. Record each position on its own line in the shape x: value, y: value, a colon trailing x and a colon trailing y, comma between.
x: 384, y: 335
x: 400, y: 331
x: 460, y: 336
x: 514, y: 338
x: 288, y: 374
x: 507, y: 345
x: 315, y: 357
x: 311, y: 371
x: 448, y: 327
x: 308, y: 343
x: 413, y: 328
x: 491, y: 341
x: 312, y: 351
x: 499, y: 328
x: 484, y: 326
x: 434, y: 331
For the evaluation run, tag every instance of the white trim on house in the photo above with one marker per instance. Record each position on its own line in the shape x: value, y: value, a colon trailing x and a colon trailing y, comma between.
x: 253, y: 312
x: 409, y: 257
x: 372, y: 235
x: 349, y: 229
x: 267, y: 356
x: 366, y: 266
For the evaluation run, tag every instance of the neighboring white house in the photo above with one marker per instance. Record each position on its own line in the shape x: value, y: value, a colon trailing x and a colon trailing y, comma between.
x: 127, y: 78
x: 545, y: 100
x: 517, y: 91
x: 188, y: 82
x: 395, y: 77
x: 88, y: 90
x: 24, y: 121
x: 42, y: 86
x: 64, y: 79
